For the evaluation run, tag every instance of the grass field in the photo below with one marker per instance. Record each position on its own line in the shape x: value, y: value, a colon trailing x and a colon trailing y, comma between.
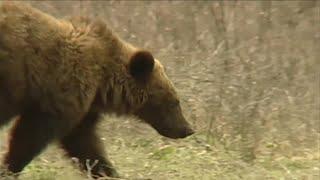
x: 138, y: 152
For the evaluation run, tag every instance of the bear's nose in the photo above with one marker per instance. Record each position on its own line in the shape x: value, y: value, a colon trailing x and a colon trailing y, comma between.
x: 186, y: 132
x: 189, y: 132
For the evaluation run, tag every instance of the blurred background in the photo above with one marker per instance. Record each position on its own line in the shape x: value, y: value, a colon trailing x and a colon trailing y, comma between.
x: 248, y: 76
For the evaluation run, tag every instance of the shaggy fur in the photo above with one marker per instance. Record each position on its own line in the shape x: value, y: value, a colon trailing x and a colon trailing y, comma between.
x: 59, y: 76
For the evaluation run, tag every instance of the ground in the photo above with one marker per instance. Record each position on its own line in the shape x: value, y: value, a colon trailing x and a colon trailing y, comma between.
x: 138, y: 152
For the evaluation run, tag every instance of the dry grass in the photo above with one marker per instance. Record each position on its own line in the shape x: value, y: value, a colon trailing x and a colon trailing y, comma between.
x: 140, y: 153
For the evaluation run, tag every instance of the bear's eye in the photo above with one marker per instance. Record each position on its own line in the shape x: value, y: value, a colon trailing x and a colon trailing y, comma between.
x: 175, y: 103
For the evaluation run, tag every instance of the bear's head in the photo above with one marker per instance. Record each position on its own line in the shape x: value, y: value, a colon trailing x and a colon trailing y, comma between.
x: 162, y: 108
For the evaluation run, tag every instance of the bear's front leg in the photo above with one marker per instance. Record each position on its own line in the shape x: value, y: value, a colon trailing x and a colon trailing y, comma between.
x: 32, y: 132
x: 83, y: 144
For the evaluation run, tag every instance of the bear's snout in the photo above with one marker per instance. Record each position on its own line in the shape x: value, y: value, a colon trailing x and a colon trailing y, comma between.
x: 176, y: 134
x: 189, y: 132
x: 185, y: 133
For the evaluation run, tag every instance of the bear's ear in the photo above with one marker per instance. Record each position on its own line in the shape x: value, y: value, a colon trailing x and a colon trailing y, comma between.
x: 141, y: 65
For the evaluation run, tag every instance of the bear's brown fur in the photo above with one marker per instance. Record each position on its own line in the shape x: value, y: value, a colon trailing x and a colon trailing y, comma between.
x: 58, y: 76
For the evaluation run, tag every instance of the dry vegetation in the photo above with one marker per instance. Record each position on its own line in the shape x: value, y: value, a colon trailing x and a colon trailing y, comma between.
x: 248, y: 75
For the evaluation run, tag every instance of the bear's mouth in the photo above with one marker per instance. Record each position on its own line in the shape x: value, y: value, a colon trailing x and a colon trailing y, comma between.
x: 174, y: 133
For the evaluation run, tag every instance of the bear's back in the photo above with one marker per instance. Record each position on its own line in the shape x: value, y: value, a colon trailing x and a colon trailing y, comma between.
x: 22, y: 25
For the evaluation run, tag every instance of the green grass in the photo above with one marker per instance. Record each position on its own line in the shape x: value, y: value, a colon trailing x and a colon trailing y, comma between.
x: 138, y: 152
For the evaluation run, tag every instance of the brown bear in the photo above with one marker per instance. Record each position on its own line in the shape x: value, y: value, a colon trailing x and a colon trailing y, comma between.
x: 58, y: 76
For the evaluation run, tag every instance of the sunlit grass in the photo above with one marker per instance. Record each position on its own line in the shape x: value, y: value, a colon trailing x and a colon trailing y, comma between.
x: 138, y: 152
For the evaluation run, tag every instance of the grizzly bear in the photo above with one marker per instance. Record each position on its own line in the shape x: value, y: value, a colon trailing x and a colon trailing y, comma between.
x: 59, y: 76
